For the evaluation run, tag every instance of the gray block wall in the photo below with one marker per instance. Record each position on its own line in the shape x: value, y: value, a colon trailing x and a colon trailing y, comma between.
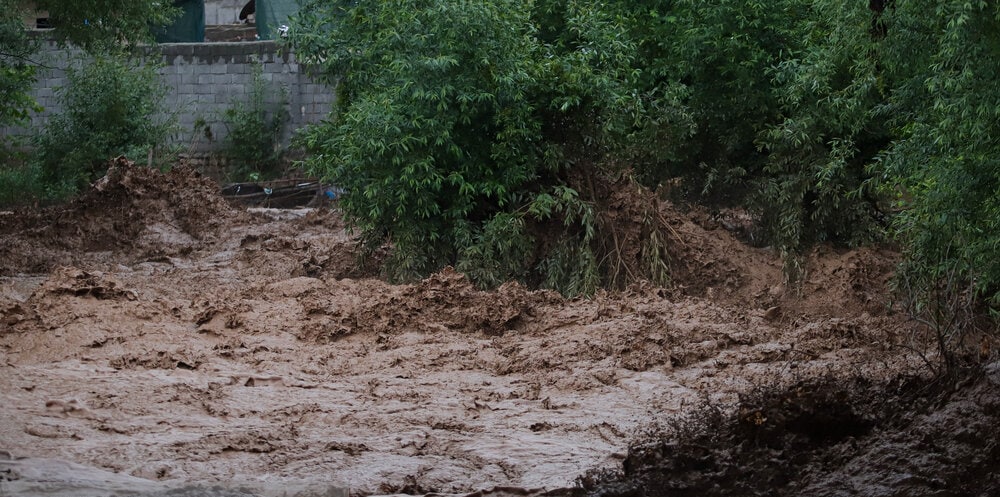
x: 203, y: 80
x: 223, y: 11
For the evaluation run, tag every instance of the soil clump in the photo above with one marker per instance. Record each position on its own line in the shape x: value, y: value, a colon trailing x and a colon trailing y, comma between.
x: 131, y: 212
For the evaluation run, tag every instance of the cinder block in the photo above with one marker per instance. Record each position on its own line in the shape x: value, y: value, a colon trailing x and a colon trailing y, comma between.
x: 187, y: 88
x: 239, y: 79
x: 211, y: 14
x: 204, y: 89
x: 172, y: 80
x: 217, y: 79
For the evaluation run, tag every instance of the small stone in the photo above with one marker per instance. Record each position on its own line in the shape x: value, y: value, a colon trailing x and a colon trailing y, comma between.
x: 772, y: 313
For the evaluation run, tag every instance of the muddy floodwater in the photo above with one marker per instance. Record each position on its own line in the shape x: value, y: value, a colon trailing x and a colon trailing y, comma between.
x: 155, y: 339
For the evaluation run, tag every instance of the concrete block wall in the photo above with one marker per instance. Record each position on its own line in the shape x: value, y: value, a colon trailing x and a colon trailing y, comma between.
x: 207, y: 78
x: 50, y: 76
x: 203, y: 80
x: 223, y: 11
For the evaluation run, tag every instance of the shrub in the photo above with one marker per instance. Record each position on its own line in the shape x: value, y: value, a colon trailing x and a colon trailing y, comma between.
x: 433, y: 131
x: 120, y: 23
x: 815, y: 185
x: 255, y: 124
x: 19, y: 183
x: 109, y: 109
x: 943, y: 168
x: 463, y: 129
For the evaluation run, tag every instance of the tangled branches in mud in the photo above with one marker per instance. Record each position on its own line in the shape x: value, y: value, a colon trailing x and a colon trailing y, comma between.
x: 950, y: 315
x: 598, y: 232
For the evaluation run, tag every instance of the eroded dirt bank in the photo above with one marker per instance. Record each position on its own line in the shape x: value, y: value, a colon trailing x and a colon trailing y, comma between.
x: 151, y: 331
x: 827, y: 438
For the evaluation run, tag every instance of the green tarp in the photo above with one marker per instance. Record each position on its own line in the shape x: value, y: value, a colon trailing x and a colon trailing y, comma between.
x: 189, y: 27
x: 272, y: 14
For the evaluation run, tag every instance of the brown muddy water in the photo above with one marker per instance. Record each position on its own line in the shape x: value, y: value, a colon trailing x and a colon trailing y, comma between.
x: 155, y: 340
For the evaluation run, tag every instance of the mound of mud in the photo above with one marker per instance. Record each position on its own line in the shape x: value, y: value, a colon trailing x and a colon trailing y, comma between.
x: 130, y: 209
x: 446, y: 300
x: 305, y: 242
x: 693, y: 253
x: 826, y: 438
x: 709, y: 260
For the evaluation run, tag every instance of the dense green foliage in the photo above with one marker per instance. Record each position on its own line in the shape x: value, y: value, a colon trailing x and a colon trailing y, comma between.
x: 719, y: 57
x: 465, y: 130
x: 95, y: 25
x: 98, y: 26
x: 814, y: 185
x: 943, y: 167
x: 16, y: 69
x: 457, y: 123
x: 433, y: 121
x: 17, y: 73
x: 107, y: 111
x: 255, y: 124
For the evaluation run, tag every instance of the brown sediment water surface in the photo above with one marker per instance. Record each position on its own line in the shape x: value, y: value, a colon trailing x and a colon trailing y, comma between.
x: 154, y: 335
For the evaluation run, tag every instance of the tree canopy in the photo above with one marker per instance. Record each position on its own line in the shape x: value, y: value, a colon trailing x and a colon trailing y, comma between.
x: 458, y: 123
x: 94, y: 25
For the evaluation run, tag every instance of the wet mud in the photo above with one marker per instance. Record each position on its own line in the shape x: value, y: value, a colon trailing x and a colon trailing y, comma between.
x: 826, y: 438
x: 152, y: 333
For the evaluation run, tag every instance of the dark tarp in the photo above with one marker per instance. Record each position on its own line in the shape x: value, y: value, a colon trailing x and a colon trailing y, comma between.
x: 189, y: 27
x: 272, y: 14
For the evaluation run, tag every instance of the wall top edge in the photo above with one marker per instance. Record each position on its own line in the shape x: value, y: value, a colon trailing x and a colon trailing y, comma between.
x: 233, y: 44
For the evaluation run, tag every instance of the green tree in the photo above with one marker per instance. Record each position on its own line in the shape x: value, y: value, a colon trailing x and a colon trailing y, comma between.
x: 943, y: 167
x: 433, y: 128
x: 460, y: 126
x: 107, y: 110
x: 95, y: 25
x: 98, y: 26
x: 815, y: 185
x: 713, y: 60
x: 781, y: 96
x: 17, y: 70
